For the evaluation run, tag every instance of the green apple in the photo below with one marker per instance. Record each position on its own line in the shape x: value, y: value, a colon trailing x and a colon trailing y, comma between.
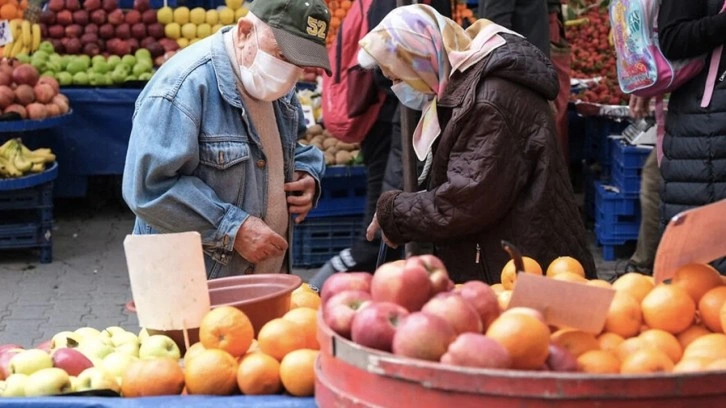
x: 112, y: 331
x: 128, y: 60
x: 46, y: 46
x: 95, y: 378
x: 64, y: 339
x: 95, y: 348
x: 143, y: 335
x: 15, y: 385
x: 97, y: 58
x: 101, y: 67
x: 145, y: 76
x: 64, y: 78
x: 80, y: 78
x: 87, y: 332
x: 117, y: 77
x: 29, y: 361
x: 85, y: 59
x: 74, y: 383
x: 159, y: 345
x: 23, y: 57
x: 116, y: 363
x: 113, y: 60
x: 75, y: 66
x: 48, y: 381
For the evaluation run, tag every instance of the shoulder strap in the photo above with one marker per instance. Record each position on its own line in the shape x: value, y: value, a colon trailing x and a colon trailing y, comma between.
x: 712, y: 71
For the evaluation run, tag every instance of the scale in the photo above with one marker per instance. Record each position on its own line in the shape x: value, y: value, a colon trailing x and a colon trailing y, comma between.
x: 641, y: 132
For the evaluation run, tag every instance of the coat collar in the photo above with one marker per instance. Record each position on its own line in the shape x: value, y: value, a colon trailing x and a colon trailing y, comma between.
x: 462, y: 84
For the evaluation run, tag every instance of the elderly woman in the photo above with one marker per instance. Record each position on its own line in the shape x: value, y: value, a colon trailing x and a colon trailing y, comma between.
x: 493, y: 167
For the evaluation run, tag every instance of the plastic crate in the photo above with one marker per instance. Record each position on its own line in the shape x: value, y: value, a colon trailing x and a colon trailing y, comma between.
x: 617, y: 219
x: 343, y: 192
x: 627, y: 180
x: 628, y: 156
x: 28, y: 235
x: 597, y: 135
x: 33, y: 197
x: 316, y: 240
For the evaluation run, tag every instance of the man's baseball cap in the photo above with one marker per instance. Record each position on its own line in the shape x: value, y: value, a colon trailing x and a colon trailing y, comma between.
x: 300, y: 28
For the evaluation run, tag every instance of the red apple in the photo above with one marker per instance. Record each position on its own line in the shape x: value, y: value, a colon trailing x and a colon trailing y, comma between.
x: 47, y: 17
x: 394, y: 282
x: 375, y: 324
x: 133, y: 45
x: 477, y: 350
x: 91, y: 49
x: 80, y: 17
x: 453, y: 308
x: 424, y: 336
x: 123, y: 31
x: 64, y: 17
x: 148, y: 17
x: 74, y: 31
x: 89, y: 38
x: 560, y: 359
x: 91, y: 5
x: 142, y: 5
x: 44, y: 345
x: 109, y: 5
x: 73, y: 5
x: 56, y: 31
x: 106, y: 31
x: 435, y: 268
x: 339, y: 311
x: 70, y: 360
x: 483, y: 298
x: 116, y: 17
x: 73, y: 45
x: 138, y: 31
x: 5, y: 357
x: 132, y: 17
x: 170, y: 45
x: 156, y: 30
x: 98, y: 16
x: 56, y: 5
x: 345, y: 281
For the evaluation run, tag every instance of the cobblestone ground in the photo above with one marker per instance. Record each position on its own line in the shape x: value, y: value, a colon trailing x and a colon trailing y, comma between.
x: 87, y: 282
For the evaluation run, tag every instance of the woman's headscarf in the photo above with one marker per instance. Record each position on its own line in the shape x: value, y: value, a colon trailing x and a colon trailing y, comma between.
x: 423, y: 48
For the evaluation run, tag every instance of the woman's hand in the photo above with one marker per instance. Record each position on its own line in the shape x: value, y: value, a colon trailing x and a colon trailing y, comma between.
x: 638, y: 106
x: 375, y: 227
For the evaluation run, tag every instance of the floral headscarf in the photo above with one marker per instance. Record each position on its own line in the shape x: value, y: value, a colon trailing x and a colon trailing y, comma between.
x: 423, y: 48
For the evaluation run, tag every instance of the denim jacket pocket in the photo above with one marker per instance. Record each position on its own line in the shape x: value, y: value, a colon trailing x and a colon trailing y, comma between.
x: 223, y: 154
x: 223, y: 165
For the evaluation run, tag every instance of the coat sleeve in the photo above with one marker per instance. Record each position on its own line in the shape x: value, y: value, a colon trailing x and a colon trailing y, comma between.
x: 686, y: 30
x: 485, y: 174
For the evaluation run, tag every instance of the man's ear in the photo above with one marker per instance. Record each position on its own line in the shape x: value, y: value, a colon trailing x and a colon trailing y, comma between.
x: 244, y: 28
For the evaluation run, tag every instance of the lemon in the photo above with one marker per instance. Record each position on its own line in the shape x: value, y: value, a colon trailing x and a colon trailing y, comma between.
x: 240, y: 12
x: 172, y: 30
x: 197, y: 15
x: 212, y: 17
x: 234, y: 4
x: 204, y: 30
x: 226, y: 16
x: 165, y: 15
x: 189, y: 31
x: 181, y: 15
x: 183, y: 42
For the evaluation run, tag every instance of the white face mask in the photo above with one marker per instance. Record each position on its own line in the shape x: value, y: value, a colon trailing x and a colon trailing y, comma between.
x: 410, y: 97
x: 268, y: 78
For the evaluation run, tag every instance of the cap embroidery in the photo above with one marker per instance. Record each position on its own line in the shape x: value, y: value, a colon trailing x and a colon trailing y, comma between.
x: 316, y: 27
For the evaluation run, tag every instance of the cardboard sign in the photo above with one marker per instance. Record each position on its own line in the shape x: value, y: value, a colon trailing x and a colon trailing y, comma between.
x: 308, y: 114
x: 6, y: 36
x: 563, y: 304
x: 693, y: 236
x: 168, y: 279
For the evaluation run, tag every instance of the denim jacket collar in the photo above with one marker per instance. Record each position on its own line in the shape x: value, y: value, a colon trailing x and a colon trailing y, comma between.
x: 223, y: 70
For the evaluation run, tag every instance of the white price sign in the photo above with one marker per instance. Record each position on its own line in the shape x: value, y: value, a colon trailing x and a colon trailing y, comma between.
x: 6, y: 36
x: 309, y: 115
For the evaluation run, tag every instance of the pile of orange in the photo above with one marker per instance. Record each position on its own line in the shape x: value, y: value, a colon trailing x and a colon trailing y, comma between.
x: 338, y: 11
x: 229, y: 358
x: 11, y: 9
x: 677, y: 326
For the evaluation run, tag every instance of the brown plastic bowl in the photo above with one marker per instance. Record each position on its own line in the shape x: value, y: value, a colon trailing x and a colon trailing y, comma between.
x: 261, y: 297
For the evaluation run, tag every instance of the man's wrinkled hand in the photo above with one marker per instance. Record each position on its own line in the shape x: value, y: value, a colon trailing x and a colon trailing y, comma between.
x: 256, y: 241
x: 301, y: 192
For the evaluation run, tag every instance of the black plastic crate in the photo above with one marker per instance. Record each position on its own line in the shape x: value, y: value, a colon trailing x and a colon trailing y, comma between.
x: 318, y: 239
x: 32, y: 197
x: 343, y: 192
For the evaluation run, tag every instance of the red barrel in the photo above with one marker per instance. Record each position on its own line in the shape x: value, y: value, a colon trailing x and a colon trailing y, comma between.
x: 348, y: 375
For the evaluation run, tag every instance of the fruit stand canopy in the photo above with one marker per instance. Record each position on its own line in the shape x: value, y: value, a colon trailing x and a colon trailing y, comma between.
x: 196, y: 401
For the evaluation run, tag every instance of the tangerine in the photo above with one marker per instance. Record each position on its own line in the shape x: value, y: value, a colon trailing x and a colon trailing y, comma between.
x: 509, y: 274
x: 696, y: 279
x: 306, y: 320
x: 711, y: 346
x: 305, y: 299
x: 297, y: 372
x: 565, y: 264
x: 692, y: 333
x: 600, y: 283
x: 259, y: 374
x: 691, y: 365
x: 624, y: 316
x: 226, y: 328
x: 577, y: 342
x: 598, y: 362
x: 609, y: 341
x: 710, y: 306
x: 645, y: 361
x: 211, y: 372
x: 278, y: 337
x: 192, y: 351
x: 663, y: 341
x: 634, y: 284
x: 669, y: 308
x: 525, y: 337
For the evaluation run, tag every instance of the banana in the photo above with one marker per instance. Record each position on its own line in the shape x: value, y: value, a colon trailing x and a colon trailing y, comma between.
x: 36, y: 37
x: 26, y: 34
x: 6, y: 147
x: 25, y: 49
x: 16, y: 48
x: 15, y: 28
x: 20, y: 161
x: 7, y: 167
x: 37, y: 168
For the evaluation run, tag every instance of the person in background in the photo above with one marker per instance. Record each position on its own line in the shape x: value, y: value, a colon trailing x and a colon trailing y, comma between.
x: 560, y: 54
x: 493, y: 168
x: 381, y: 151
x: 694, y: 147
x: 529, y: 18
x: 213, y: 145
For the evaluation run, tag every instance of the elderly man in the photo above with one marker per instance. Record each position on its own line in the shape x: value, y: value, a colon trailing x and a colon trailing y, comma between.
x: 214, y: 149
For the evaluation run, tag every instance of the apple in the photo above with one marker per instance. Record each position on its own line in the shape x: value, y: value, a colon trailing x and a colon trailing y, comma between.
x: 483, y: 298
x: 30, y: 361
x: 339, y: 311
x: 116, y: 17
x: 80, y: 17
x: 109, y: 5
x: 156, y: 30
x: 477, y: 350
x: 159, y: 345
x: 409, y: 287
x: 74, y: 31
x: 64, y: 17
x: 453, y: 308
x: 64, y: 339
x: 95, y: 348
x: 123, y: 31
x: 132, y: 17
x: 98, y: 17
x: 138, y: 31
x: 10, y: 346
x: 142, y: 5
x: 95, y: 378
x: 15, y: 385
x: 116, y: 363
x: 127, y: 343
x: 143, y: 333
x: 344, y: 281
x: 438, y: 274
x: 44, y: 345
x: 91, y: 5
x: 56, y: 31
x: 73, y: 5
x: 424, y: 336
x: 48, y: 381
x: 70, y: 360
x: 374, y: 325
x: 5, y: 357
x: 560, y: 359
x: 56, y: 5
x: 106, y: 31
x: 148, y: 17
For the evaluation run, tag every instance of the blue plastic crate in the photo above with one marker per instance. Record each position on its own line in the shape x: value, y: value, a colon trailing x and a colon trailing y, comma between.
x: 613, y: 204
x: 628, y: 156
x: 316, y: 240
x: 597, y: 135
x: 617, y: 217
x: 627, y: 180
x: 343, y: 192
x: 40, y: 196
x: 28, y: 235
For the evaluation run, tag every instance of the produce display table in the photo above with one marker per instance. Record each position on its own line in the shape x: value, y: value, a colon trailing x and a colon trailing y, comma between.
x: 269, y: 401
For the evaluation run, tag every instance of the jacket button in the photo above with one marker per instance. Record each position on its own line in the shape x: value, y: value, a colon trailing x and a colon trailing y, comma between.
x: 260, y: 163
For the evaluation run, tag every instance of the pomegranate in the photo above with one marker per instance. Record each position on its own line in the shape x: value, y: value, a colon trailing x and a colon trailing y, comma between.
x: 7, y: 96
x: 37, y: 111
x: 24, y: 94
x: 20, y: 109
x: 44, y: 93
x: 25, y: 74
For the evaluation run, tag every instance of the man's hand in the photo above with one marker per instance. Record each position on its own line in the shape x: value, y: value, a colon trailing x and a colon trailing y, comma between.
x: 256, y: 241
x: 373, y: 228
x: 638, y: 106
x: 300, y: 199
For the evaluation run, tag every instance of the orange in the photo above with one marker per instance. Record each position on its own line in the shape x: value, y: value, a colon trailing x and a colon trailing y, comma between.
x: 525, y: 337
x: 691, y: 365
x: 306, y: 320
x: 669, y: 308
x: 304, y: 287
x: 565, y: 264
x: 598, y: 362
x: 297, y: 372
x: 509, y: 274
x: 8, y: 12
x: 624, y: 317
x: 154, y: 376
x: 645, y: 361
x: 710, y: 306
x: 253, y: 347
x: 211, y: 372
x: 259, y: 374
x: 717, y: 365
x: 577, y: 342
x: 503, y: 299
x: 692, y: 333
x: 696, y: 279
x: 569, y: 277
x: 497, y: 288
x: 226, y: 328
x: 634, y: 284
x: 628, y: 347
x: 279, y: 337
x: 663, y: 341
x: 711, y: 346
x: 600, y: 283
x: 305, y: 299
x: 609, y: 341
x: 192, y: 351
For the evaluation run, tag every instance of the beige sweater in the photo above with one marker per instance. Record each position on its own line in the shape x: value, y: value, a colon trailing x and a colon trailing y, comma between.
x: 262, y: 117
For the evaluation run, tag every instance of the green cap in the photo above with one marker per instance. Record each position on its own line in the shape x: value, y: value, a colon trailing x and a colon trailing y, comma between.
x: 300, y: 28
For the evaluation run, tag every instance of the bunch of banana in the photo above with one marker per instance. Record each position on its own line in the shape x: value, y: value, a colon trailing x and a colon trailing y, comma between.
x: 26, y: 38
x: 16, y: 160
